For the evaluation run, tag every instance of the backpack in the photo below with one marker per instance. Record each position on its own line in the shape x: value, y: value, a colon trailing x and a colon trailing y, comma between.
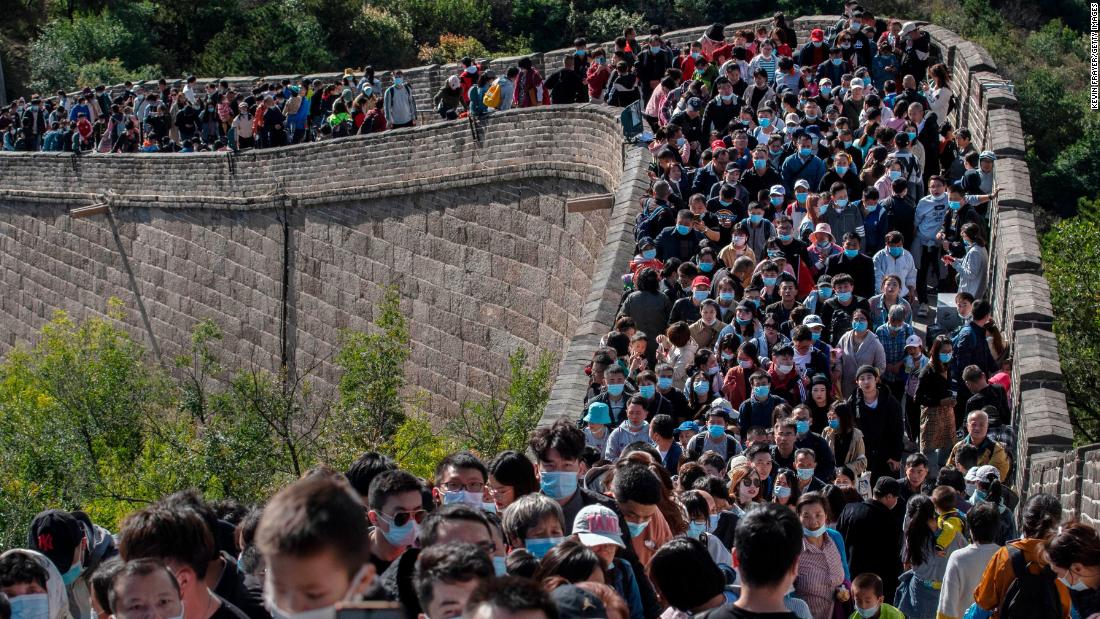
x: 492, y: 96
x: 1030, y: 596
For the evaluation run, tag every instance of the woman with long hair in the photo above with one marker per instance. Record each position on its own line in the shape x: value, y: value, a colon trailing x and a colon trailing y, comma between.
x: 1074, y: 556
x: 845, y: 439
x: 918, y: 593
x: 744, y: 488
x: 937, y: 401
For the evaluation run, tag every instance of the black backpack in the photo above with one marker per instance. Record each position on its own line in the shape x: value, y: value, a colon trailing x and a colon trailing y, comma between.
x: 1030, y: 596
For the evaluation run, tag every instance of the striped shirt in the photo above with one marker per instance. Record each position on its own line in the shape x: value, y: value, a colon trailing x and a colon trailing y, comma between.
x: 820, y: 572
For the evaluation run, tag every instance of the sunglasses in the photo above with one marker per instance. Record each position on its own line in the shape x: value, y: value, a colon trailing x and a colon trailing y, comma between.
x: 402, y: 518
x: 748, y: 483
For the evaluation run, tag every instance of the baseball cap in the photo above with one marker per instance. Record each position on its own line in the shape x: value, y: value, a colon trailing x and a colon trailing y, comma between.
x: 908, y: 27
x: 695, y: 103
x: 812, y: 320
x: 983, y: 473
x: 777, y: 190
x: 803, y: 183
x: 56, y: 534
x: 988, y: 155
x: 701, y: 280
x: 598, y: 412
x: 867, y: 369
x: 596, y: 525
x: 576, y: 603
x: 913, y: 340
x: 688, y: 426
x: 856, y: 83
x: 817, y: 34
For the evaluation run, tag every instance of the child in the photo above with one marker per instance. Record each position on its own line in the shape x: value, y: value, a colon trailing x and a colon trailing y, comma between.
x: 915, y: 360
x: 314, y: 538
x: 595, y: 433
x: 867, y: 594
x: 948, y: 518
x: 32, y: 585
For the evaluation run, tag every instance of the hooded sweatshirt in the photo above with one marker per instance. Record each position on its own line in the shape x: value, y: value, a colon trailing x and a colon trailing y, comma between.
x: 55, y: 588
x: 623, y: 436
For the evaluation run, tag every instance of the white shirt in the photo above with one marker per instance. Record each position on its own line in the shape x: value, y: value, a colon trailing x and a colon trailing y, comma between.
x: 964, y: 571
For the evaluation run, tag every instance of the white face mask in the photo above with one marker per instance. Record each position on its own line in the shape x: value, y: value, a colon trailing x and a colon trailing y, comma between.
x: 327, y: 612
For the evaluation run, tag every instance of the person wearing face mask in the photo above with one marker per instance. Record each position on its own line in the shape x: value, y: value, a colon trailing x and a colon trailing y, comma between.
x: 705, y: 330
x: 714, y: 438
x: 803, y: 164
x: 855, y: 264
x: 1074, y: 557
x: 634, y: 428
x: 867, y: 593
x: 461, y: 478
x: 815, y: 51
x: 937, y: 401
x: 834, y: 67
x: 32, y: 586
x: 76, y: 548
x: 843, y: 172
x: 680, y: 241
x: 821, y: 581
x: 396, y: 511
x: 842, y: 216
x: 534, y: 522
x: 929, y: 217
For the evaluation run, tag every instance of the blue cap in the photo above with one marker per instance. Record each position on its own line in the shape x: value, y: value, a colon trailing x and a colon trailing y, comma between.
x: 598, y: 412
x: 688, y: 426
x: 813, y: 130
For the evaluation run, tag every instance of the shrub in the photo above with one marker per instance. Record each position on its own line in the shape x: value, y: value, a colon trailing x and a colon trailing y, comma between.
x: 452, y: 48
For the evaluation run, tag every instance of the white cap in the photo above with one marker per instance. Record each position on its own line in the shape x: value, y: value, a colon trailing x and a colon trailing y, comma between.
x: 913, y: 340
x: 596, y: 525
x: 856, y: 83
x: 778, y: 190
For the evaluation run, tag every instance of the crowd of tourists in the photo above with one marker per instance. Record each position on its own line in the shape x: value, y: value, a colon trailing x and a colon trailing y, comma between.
x: 775, y: 427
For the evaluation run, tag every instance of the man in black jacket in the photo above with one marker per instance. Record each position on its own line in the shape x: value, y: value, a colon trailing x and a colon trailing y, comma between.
x: 854, y: 263
x: 872, y: 536
x: 566, y: 85
x: 652, y: 63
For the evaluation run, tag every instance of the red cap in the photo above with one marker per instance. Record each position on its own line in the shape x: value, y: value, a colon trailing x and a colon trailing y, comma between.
x: 817, y: 34
x: 701, y: 280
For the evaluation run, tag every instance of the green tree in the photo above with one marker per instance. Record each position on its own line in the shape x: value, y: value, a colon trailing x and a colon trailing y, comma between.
x: 428, y: 19
x: 1075, y: 292
x: 381, y: 39
x: 452, y: 48
x: 505, y: 422
x: 373, y: 364
x: 604, y: 24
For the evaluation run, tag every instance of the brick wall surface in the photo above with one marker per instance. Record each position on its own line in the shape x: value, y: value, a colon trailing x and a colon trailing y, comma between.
x: 473, y: 232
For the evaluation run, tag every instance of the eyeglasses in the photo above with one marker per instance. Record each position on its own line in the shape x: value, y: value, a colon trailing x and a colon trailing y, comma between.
x: 455, y: 486
x: 401, y: 518
x: 748, y: 482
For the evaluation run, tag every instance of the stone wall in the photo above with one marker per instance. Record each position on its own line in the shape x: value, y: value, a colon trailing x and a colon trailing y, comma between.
x: 286, y: 247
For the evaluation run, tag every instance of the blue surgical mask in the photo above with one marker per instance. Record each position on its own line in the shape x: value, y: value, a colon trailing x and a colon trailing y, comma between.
x: 804, y: 152
x: 716, y: 432
x: 726, y: 356
x: 647, y: 391
x: 1077, y: 586
x: 397, y: 81
x: 770, y: 281
x: 867, y: 613
x: 851, y: 253
x: 776, y: 200
x: 870, y: 207
x: 664, y: 382
x: 837, y: 61
x: 912, y: 136
x: 756, y: 218
x: 895, y: 175
x: 804, y: 474
x: 825, y: 90
x: 764, y: 122
x: 473, y: 499
x: 847, y: 143
x: 802, y: 427
x: 841, y: 169
x: 761, y: 391
x: 636, y: 528
x: 844, y: 296
x: 539, y: 546
x: 700, y: 295
x: 816, y: 335
x: 649, y: 254
x: 701, y: 387
x: 500, y: 566
x: 825, y: 292
x: 682, y: 229
x: 945, y: 357
x: 818, y: 532
x: 695, y: 529
x: 30, y: 606
x: 859, y: 326
x: 801, y: 196
x: 979, y: 496
x: 706, y: 267
x: 896, y: 251
x: 954, y: 205
x: 725, y: 297
x: 558, y: 484
x: 400, y: 536
x: 784, y: 237
x: 822, y: 209
x: 615, y: 390
x: 782, y: 492
x: 834, y: 424
x: 841, y: 202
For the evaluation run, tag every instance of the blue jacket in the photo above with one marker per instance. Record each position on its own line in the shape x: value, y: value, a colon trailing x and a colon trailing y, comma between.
x: 811, y: 172
x: 753, y: 412
x: 970, y: 348
x: 669, y: 244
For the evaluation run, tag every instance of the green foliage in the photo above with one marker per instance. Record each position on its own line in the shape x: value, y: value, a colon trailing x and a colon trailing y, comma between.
x: 1076, y: 294
x: 112, y: 71
x: 417, y: 447
x: 604, y: 24
x: 382, y: 40
x: 452, y: 48
x: 428, y: 19
x: 490, y: 427
x: 545, y: 21
x: 278, y: 37
x: 373, y: 376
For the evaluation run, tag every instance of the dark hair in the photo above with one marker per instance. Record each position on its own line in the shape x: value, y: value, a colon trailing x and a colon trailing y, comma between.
x: 919, y: 510
x: 868, y: 580
x: 22, y: 567
x: 689, y: 473
x: 571, y: 560
x: 984, y: 521
x: 5, y: 607
x: 951, y: 477
x: 103, y: 580
x: 713, y: 486
x: 791, y: 478
x: 663, y: 425
x: 514, y: 469
x: 176, y: 533
x: 767, y: 542
x: 1042, y: 513
x: 461, y: 460
x: 388, y: 484
x: 635, y: 482
x: 683, y: 571
x: 562, y: 436
x: 429, y: 530
x: 1075, y: 542
x: 694, y: 504
x: 449, y: 563
x: 512, y: 594
x: 313, y: 515
x: 363, y: 471
x: 138, y: 567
